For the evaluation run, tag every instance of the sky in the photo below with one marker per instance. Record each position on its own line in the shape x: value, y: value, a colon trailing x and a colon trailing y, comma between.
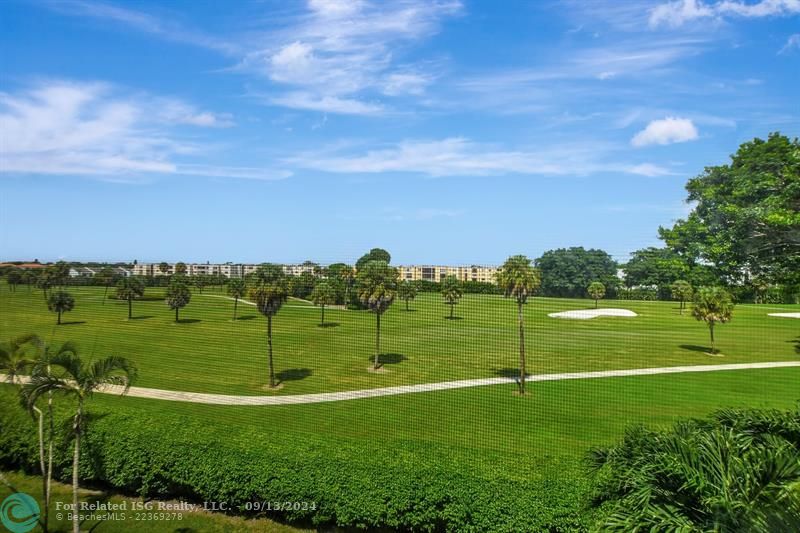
x: 446, y: 131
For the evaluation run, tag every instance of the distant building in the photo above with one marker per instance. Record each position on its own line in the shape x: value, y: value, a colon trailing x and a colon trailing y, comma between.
x: 81, y: 272
x: 484, y: 274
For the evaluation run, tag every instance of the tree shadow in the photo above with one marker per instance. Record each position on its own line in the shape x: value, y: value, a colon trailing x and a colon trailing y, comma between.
x: 143, y: 317
x: 796, y: 345
x: 695, y: 348
x: 188, y: 321
x: 328, y: 325
x: 246, y: 317
x: 72, y: 322
x: 448, y: 317
x: 388, y: 358
x: 293, y: 374
x: 507, y: 372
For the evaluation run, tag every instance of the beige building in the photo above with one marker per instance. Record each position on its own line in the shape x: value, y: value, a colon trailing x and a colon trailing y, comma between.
x: 485, y: 274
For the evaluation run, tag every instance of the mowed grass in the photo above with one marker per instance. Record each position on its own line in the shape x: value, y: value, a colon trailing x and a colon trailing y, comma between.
x: 208, y: 352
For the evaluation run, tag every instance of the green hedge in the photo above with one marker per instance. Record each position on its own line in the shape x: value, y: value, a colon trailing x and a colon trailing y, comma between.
x: 362, y: 484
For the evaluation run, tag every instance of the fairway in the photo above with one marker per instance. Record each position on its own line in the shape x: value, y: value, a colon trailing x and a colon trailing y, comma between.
x: 208, y: 352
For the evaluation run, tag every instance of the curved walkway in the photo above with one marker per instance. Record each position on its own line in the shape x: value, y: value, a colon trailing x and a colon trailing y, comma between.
x: 223, y: 399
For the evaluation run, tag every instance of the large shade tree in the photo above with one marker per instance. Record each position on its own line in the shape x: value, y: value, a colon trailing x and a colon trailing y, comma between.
x: 567, y: 272
x: 130, y: 288
x: 79, y: 380
x: 376, y: 254
x: 237, y: 289
x: 519, y: 280
x: 178, y: 295
x: 269, y: 290
x: 713, y: 305
x: 60, y: 302
x: 377, y: 289
x: 452, y: 291
x: 323, y: 295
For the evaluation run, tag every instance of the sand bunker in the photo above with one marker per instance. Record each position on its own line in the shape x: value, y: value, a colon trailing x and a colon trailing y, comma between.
x: 786, y: 315
x: 586, y: 314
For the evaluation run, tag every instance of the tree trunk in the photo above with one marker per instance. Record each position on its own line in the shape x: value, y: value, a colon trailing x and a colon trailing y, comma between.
x: 269, y: 345
x: 406, y: 304
x: 521, y: 349
x: 176, y: 314
x: 42, y: 465
x: 595, y: 303
x: 377, y: 340
x: 322, y: 322
x: 130, y: 308
x: 49, y: 449
x: 76, y: 526
x: 59, y: 318
x: 452, y: 309
x: 235, y: 305
x: 711, y: 330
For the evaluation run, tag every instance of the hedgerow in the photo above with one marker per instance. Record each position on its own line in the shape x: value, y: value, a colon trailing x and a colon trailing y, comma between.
x: 353, y: 483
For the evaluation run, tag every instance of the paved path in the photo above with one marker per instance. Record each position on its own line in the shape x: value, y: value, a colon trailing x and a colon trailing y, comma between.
x: 223, y: 399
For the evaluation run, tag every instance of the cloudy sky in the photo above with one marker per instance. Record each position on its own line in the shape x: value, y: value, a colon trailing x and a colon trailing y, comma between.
x: 447, y: 131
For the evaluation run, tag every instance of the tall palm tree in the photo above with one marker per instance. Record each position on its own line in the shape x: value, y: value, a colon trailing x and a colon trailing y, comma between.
x: 377, y: 288
x: 269, y: 291
x: 60, y: 302
x: 406, y: 291
x: 713, y: 305
x: 178, y: 295
x: 347, y: 274
x: 78, y: 379
x: 322, y: 295
x: 452, y: 292
x: 519, y: 280
x: 105, y: 277
x: 129, y: 288
x: 236, y: 289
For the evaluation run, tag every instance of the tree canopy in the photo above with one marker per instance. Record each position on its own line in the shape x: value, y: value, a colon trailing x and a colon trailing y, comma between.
x: 568, y: 271
x: 376, y: 254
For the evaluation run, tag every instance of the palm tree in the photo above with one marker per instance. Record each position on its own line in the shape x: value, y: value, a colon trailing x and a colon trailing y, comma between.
x: 682, y: 291
x: 347, y: 275
x: 80, y: 380
x: 236, y: 289
x: 322, y: 295
x: 596, y: 290
x: 269, y: 290
x: 163, y: 267
x: 105, y: 277
x: 128, y: 288
x: 407, y: 291
x: 713, y: 305
x: 377, y: 288
x: 180, y: 268
x: 518, y: 280
x: 452, y: 292
x: 60, y: 302
x: 45, y: 281
x: 178, y: 295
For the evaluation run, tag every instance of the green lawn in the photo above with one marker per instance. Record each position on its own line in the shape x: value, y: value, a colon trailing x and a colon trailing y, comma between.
x: 135, y: 521
x: 208, y: 352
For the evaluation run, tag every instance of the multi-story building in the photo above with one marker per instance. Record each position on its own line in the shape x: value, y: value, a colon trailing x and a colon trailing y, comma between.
x: 485, y: 274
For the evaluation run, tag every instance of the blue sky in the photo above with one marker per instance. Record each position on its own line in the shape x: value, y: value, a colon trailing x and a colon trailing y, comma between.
x: 445, y: 131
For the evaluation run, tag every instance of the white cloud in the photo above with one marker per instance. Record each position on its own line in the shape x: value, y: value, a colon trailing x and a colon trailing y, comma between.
x: 94, y: 129
x: 792, y: 43
x: 680, y: 12
x: 668, y: 130
x: 458, y: 156
x: 337, y: 51
x: 650, y: 170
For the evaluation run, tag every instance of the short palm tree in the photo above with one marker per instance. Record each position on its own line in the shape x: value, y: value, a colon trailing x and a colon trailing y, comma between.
x: 60, y: 302
x: 129, y: 288
x: 682, y: 291
x: 322, y: 295
x: 236, y: 289
x: 178, y: 295
x: 377, y: 289
x: 407, y: 291
x: 269, y: 291
x: 15, y: 358
x: 596, y: 290
x: 713, y: 305
x: 519, y: 280
x: 73, y: 377
x: 452, y: 292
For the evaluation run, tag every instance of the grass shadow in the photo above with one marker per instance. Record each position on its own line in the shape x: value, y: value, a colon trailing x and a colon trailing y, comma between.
x: 512, y: 373
x: 328, y: 325
x: 448, y: 317
x: 695, y: 348
x: 246, y: 317
x: 143, y: 317
x: 72, y: 322
x: 796, y: 345
x: 388, y: 358
x: 293, y: 374
x: 188, y: 321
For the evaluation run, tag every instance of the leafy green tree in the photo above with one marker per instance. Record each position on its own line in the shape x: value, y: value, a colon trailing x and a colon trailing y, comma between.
x: 323, y: 295
x: 519, y: 280
x: 452, y: 291
x: 301, y: 286
x: 178, y: 295
x: 163, y: 267
x: 737, y: 472
x: 60, y: 302
x: 376, y: 254
x: 14, y: 278
x: 129, y: 288
x: 713, y: 305
x: 746, y: 219
x: 655, y: 267
x: 406, y: 291
x: 237, y: 289
x: 269, y: 291
x: 596, y: 291
x: 180, y: 269
x: 200, y: 282
x: 45, y: 281
x: 59, y: 273
x: 567, y: 272
x: 79, y: 380
x: 682, y: 291
x: 343, y: 276
x: 377, y: 289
